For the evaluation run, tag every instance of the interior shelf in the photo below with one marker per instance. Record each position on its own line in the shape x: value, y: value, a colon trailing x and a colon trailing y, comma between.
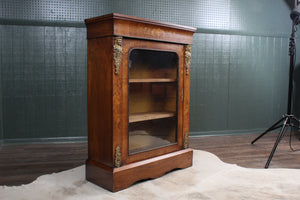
x: 138, y: 117
x: 152, y: 80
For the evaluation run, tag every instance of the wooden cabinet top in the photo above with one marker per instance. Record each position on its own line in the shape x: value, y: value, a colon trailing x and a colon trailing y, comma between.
x: 134, y: 27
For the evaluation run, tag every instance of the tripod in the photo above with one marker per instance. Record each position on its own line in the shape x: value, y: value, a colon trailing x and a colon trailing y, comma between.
x: 288, y: 118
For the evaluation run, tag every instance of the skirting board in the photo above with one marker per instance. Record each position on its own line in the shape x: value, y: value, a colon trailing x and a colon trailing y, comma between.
x: 84, y: 138
x: 225, y: 132
x: 44, y: 140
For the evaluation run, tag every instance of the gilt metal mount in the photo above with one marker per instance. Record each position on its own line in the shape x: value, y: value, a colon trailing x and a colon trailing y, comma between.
x: 185, y: 143
x: 118, y: 157
x: 118, y: 50
x: 188, y: 56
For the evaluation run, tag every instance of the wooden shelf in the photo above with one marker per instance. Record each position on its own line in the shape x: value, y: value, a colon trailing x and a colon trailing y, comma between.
x: 138, y: 117
x: 152, y: 80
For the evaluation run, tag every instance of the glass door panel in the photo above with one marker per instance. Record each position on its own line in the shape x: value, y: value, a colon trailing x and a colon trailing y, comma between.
x: 153, y: 83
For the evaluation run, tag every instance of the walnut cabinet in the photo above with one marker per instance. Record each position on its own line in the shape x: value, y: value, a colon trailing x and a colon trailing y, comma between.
x: 138, y: 99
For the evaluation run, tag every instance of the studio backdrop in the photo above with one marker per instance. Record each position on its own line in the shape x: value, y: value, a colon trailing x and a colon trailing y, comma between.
x: 239, y: 72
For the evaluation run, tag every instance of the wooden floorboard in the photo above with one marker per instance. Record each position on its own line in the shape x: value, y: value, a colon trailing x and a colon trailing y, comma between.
x: 237, y: 149
x: 22, y: 164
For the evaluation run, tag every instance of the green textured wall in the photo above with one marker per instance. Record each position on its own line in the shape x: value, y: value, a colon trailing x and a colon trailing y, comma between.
x: 297, y: 90
x: 239, y: 83
x: 1, y: 104
x: 43, y: 63
x: 44, y: 80
x: 239, y: 63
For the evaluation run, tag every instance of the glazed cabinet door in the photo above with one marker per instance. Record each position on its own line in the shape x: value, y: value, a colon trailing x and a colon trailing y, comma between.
x: 154, y: 74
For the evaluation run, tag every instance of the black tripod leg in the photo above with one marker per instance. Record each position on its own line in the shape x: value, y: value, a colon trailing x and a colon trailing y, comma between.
x: 269, y: 129
x: 295, y: 118
x: 279, y: 137
x: 297, y: 121
x: 290, y: 142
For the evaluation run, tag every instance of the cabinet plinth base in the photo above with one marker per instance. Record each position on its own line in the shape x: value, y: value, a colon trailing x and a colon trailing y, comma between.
x: 122, y: 177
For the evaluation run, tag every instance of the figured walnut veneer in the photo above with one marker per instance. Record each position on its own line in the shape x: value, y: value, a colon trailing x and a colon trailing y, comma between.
x: 111, y: 39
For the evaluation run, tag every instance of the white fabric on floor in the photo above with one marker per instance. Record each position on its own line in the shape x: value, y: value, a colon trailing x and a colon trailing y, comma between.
x: 208, y: 178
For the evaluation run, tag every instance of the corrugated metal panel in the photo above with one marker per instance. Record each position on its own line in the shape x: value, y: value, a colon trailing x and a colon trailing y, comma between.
x: 44, y: 87
x: 238, y: 82
x: 67, y: 10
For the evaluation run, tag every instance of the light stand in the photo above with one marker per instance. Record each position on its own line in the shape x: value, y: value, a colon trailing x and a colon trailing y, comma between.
x: 288, y: 118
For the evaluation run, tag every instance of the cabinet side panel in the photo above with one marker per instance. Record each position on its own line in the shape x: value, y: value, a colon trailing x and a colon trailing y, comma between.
x: 100, y: 29
x: 100, y: 100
